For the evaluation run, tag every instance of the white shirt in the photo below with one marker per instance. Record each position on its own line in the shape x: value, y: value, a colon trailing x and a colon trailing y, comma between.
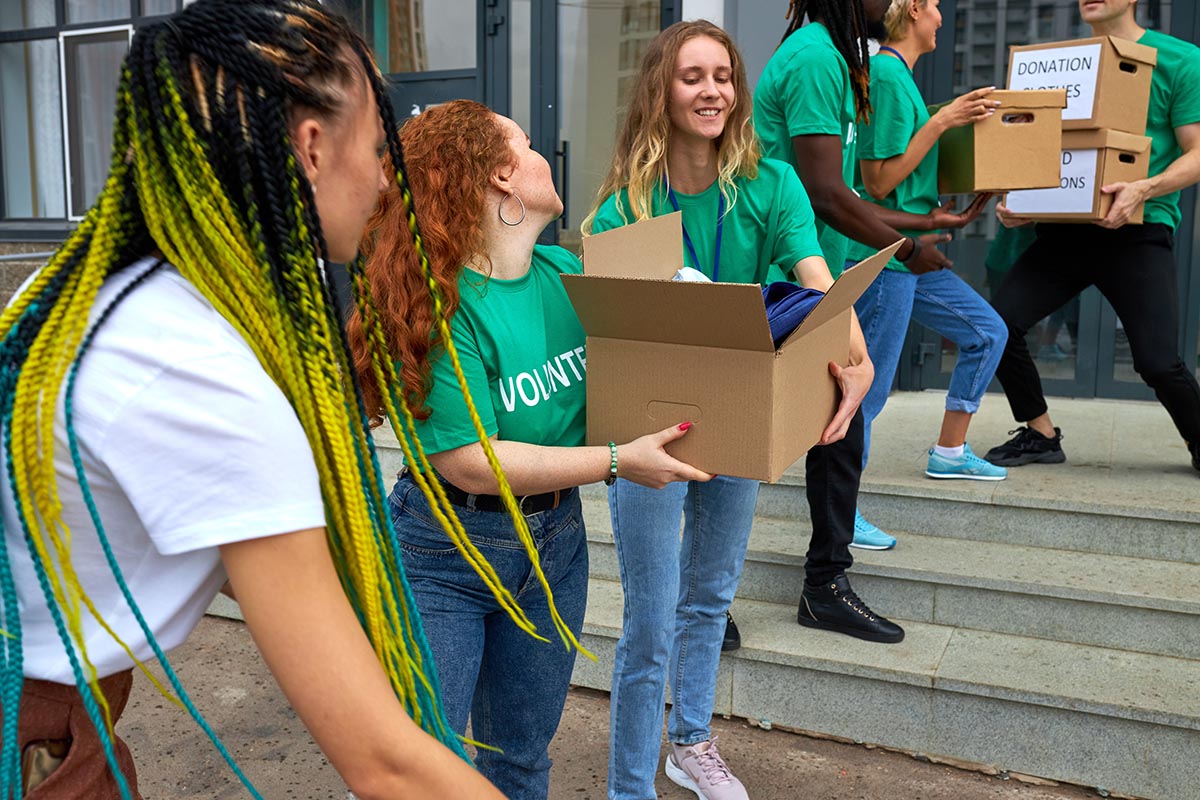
x: 187, y: 444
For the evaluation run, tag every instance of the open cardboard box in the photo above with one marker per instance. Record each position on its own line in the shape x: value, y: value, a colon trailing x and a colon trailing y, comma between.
x: 1107, y: 79
x: 1018, y: 147
x: 662, y: 352
x: 1090, y: 159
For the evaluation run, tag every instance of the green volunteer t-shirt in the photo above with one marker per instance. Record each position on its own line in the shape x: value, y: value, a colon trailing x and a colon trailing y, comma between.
x: 770, y: 222
x: 1008, y: 246
x: 805, y: 90
x: 898, y: 112
x: 1174, y: 102
x: 522, y: 351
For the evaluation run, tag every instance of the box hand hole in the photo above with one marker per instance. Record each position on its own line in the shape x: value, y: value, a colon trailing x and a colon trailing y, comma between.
x: 665, y: 413
x: 1017, y: 119
x: 1128, y: 66
x: 1127, y: 158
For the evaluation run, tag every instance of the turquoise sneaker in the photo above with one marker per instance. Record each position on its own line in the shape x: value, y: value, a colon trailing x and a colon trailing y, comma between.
x: 968, y: 467
x: 869, y: 537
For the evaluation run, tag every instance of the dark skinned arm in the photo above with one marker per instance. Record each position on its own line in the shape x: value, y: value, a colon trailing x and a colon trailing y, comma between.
x: 819, y: 165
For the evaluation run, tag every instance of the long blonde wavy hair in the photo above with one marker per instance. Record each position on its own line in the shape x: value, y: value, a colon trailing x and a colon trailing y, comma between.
x: 639, y: 162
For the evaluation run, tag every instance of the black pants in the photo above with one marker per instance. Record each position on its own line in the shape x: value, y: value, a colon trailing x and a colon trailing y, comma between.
x: 832, y: 474
x: 1134, y: 268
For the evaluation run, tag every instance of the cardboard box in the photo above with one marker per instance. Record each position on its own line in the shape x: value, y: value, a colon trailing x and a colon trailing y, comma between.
x: 1090, y: 159
x: 662, y: 352
x: 1107, y: 80
x: 1016, y: 148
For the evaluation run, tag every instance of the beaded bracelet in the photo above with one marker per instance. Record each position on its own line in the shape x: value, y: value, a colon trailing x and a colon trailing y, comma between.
x: 612, y: 469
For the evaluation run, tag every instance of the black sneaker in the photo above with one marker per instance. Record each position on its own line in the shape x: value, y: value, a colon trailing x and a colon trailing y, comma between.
x: 733, y: 637
x: 834, y: 606
x: 1028, y: 447
x: 1195, y: 448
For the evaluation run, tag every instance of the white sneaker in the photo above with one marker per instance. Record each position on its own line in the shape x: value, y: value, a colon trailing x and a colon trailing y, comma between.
x: 700, y: 768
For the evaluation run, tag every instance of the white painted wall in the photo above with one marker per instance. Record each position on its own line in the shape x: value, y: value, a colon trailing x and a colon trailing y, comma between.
x: 711, y: 10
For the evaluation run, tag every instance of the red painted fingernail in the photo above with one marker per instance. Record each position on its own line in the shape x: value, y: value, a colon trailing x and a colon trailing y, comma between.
x: 683, y: 426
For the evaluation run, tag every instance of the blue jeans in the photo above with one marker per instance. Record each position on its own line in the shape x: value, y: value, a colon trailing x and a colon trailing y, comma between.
x: 944, y: 303
x: 676, y: 595
x: 511, y: 685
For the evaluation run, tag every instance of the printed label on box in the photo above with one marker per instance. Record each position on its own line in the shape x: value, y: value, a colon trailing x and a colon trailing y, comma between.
x: 1075, y: 194
x: 1072, y: 68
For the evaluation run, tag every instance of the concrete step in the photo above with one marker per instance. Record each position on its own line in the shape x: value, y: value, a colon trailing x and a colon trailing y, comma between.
x: 1089, y: 715
x: 1109, y: 601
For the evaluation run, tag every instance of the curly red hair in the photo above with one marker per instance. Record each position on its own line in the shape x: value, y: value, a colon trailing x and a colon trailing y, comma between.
x: 451, y: 152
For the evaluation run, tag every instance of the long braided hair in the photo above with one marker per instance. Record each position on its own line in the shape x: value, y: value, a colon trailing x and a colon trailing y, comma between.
x: 846, y: 22
x: 203, y: 172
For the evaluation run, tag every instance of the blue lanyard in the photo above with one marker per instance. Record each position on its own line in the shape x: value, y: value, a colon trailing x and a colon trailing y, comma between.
x: 896, y: 53
x: 687, y: 240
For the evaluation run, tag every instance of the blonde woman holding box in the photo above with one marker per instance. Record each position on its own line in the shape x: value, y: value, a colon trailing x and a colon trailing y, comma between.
x: 688, y: 143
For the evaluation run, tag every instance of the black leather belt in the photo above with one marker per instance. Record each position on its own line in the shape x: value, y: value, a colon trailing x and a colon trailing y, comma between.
x: 528, y: 504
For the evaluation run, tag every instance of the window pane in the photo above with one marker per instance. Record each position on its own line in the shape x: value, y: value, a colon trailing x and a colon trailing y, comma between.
x: 93, y: 67
x: 97, y: 10
x: 419, y: 36
x: 17, y: 15
x: 31, y: 119
x: 151, y: 7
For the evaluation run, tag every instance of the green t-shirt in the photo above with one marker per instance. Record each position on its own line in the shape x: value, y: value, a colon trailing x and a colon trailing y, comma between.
x: 770, y: 222
x: 898, y: 112
x: 805, y: 90
x: 522, y: 350
x: 1008, y: 246
x: 1174, y: 102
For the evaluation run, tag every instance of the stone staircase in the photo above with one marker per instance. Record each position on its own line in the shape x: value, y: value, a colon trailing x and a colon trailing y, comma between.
x: 1053, y: 619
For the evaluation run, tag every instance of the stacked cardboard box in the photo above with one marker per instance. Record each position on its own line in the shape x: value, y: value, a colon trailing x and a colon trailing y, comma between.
x: 1107, y: 81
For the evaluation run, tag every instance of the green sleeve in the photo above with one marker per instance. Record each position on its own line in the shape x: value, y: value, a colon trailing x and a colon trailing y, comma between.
x: 1185, y: 105
x: 450, y: 424
x: 892, y: 123
x: 812, y: 93
x: 797, y: 237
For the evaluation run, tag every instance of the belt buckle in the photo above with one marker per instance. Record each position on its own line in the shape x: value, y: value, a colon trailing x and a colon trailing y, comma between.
x: 521, y: 506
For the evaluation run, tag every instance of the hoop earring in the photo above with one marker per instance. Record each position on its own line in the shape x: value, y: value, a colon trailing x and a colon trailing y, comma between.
x: 500, y: 210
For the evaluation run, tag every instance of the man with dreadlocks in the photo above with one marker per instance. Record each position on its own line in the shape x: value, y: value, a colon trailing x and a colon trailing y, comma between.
x: 812, y: 92
x: 175, y: 401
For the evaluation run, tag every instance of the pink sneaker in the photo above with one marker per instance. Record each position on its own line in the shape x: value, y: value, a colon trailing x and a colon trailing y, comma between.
x: 699, y: 767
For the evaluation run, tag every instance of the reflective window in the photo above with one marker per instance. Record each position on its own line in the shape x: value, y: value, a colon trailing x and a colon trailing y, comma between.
x: 418, y: 35
x: 152, y: 7
x: 19, y: 15
x: 91, y: 68
x: 31, y: 149
x: 97, y: 10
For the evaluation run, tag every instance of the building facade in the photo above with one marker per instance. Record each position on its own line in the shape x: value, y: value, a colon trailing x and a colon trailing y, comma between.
x: 562, y: 69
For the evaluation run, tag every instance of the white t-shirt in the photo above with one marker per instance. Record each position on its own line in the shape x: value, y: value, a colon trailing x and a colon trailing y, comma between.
x: 187, y: 444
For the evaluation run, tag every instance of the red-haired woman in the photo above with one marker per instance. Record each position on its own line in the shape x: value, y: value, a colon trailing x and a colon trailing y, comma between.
x: 484, y: 197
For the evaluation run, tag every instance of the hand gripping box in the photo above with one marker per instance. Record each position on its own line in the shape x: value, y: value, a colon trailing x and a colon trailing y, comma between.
x: 662, y: 352
x: 1090, y: 160
x: 1018, y: 147
x: 1107, y: 80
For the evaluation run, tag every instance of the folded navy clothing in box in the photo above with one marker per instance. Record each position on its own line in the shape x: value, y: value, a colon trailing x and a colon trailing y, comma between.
x: 787, y: 306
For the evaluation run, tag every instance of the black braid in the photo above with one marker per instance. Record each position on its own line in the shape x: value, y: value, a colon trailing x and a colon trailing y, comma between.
x: 847, y: 24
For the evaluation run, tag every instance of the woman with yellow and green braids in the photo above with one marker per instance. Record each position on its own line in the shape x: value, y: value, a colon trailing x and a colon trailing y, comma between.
x: 178, y: 410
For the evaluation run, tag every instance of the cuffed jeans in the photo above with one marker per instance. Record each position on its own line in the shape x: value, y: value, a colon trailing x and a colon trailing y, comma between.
x: 944, y: 303
x: 512, y: 686
x: 676, y: 595
x: 1134, y: 268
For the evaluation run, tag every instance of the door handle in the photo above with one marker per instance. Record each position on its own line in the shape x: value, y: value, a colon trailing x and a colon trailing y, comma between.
x: 564, y: 153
